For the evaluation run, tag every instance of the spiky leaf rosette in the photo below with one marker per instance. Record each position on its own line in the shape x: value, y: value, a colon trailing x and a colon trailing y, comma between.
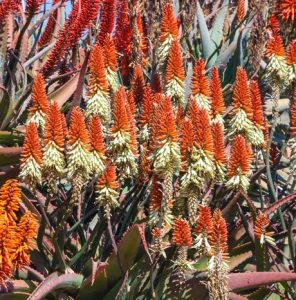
x: 110, y: 59
x: 292, y: 141
x: 97, y: 152
x: 256, y: 136
x: 203, y: 230
x: 10, y: 198
x: 217, y: 101
x: 219, y: 151
x: 37, y: 113
x: 239, y: 164
x: 54, y: 141
x: 240, y: 122
x: 78, y: 148
x: 167, y: 151
x: 169, y: 32
x: 200, y: 86
x: 106, y: 188
x: 25, y: 235
x: 218, y: 268
x: 31, y: 157
x: 122, y: 146
x: 98, y: 103
x: 277, y: 69
x: 175, y: 74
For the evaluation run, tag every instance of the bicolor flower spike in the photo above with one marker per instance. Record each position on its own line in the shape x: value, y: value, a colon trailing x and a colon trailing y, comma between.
x: 239, y: 164
x: 10, y: 198
x: 78, y: 150
x: 200, y: 86
x: 241, y: 120
x: 217, y: 101
x: 97, y: 151
x: 98, y: 103
x: 106, y: 188
x: 261, y: 225
x: 31, y: 157
x: 169, y: 32
x: 37, y: 113
x: 175, y: 74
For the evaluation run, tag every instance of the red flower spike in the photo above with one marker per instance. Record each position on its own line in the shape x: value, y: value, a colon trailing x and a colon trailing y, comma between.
x: 275, y: 46
x: 293, y: 117
x: 241, y: 94
x: 169, y: 24
x: 143, y: 44
x: 156, y: 84
x: 49, y: 29
x: 54, y: 127
x: 217, y: 101
x: 109, y: 178
x: 98, y: 78
x: 200, y: 83
x: 258, y: 117
x: 156, y: 232
x: 31, y: 145
x: 240, y: 14
x: 204, y: 223
x: 291, y: 53
x: 10, y: 198
x: 274, y: 25
x: 155, y: 195
x: 240, y: 157
x: 107, y: 19
x: 218, y: 238
x: 175, y: 68
x: 7, y: 7
x: 288, y: 10
x: 186, y: 139
x: 181, y: 233
x: 218, y: 141
x: 96, y: 136
x: 39, y: 98
x: 77, y: 130
x: 138, y: 84
x: 119, y: 112
x: 147, y: 106
x: 33, y: 6
x: 202, y: 128
x: 131, y: 102
x: 110, y: 53
x: 167, y: 125
x: 180, y: 115
x: 132, y: 129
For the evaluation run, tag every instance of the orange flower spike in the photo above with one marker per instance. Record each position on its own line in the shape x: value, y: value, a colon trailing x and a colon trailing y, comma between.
x: 143, y: 44
x: 169, y: 24
x: 110, y: 53
x: 39, y: 102
x: 77, y: 130
x: 175, y: 74
x: 10, y: 197
x: 293, y: 117
x: 200, y: 83
x: 106, y: 188
x: 138, y: 84
x: 53, y: 131
x: 218, y: 141
x: 239, y: 163
x: 119, y: 112
x: 96, y: 136
x: 241, y: 95
x: 186, y: 140
x: 132, y: 104
x: 240, y: 14
x: 275, y: 46
x: 181, y: 233
x: 132, y: 129
x: 218, y: 239
x: 217, y: 105
x: 260, y: 227
x: 31, y: 157
x: 147, y: 106
x: 258, y: 117
x: 155, y: 195
x: 156, y: 84
x: 291, y: 54
x: 204, y: 223
x: 287, y: 10
x: 26, y: 233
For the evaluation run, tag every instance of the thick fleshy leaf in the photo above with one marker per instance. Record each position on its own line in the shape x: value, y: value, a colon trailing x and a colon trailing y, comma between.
x: 9, y: 155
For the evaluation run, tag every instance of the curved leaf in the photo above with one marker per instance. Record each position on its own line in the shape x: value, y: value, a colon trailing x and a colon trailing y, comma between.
x: 243, y: 281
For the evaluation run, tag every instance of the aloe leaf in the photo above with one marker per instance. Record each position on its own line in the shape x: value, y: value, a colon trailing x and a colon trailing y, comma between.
x: 217, y: 29
x: 5, y: 105
x: 208, y: 46
x: 239, y: 259
x: 234, y: 296
x: 15, y: 296
x: 243, y: 281
x: 273, y: 207
x: 9, y: 155
x: 108, y: 276
x: 49, y: 285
